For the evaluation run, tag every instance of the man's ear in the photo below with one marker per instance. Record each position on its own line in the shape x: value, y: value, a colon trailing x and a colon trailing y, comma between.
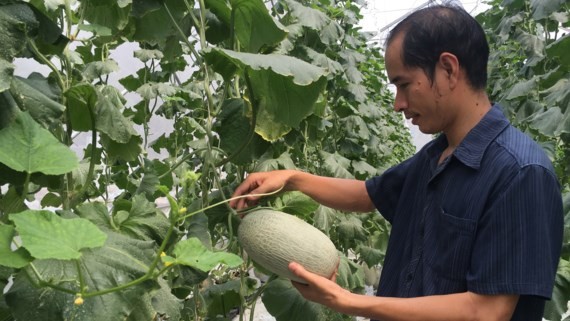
x: 450, y: 66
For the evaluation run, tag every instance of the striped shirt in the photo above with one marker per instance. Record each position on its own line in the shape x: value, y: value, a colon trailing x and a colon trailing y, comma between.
x: 488, y: 219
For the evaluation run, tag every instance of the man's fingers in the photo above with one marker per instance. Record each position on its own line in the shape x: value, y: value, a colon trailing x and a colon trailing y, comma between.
x: 300, y: 271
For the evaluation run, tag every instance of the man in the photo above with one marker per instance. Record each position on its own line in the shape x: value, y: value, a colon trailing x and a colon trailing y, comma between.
x: 476, y: 214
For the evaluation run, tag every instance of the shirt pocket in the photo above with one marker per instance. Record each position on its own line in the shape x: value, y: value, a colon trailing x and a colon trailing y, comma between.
x: 450, y: 253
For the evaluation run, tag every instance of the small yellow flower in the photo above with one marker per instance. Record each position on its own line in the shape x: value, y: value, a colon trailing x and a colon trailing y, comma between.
x: 182, y: 211
x: 167, y: 264
x: 78, y: 300
x: 162, y: 254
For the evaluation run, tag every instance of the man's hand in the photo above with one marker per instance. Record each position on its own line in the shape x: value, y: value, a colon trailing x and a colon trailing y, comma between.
x: 260, y: 183
x: 320, y: 289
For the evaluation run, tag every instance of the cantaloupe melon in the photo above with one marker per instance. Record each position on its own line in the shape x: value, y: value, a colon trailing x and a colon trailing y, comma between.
x: 273, y: 239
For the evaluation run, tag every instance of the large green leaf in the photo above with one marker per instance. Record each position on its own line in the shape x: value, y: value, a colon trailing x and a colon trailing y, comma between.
x: 233, y: 125
x: 329, y: 30
x: 48, y: 236
x: 285, y: 303
x: 8, y: 109
x: 254, y: 27
x: 308, y: 17
x: 110, y: 119
x: 139, y: 218
x: 27, y: 147
x: 6, y: 73
x: 228, y: 62
x: 285, y: 88
x: 336, y: 164
x: 551, y: 122
x: 15, y: 259
x: 222, y: 298
x: 40, y: 98
x: 543, y: 8
x: 324, y: 219
x: 16, y: 20
x: 559, y: 94
x: 121, y: 260
x: 106, y: 13
x: 144, y: 220
x: 559, y: 49
x: 296, y: 203
x: 128, y: 151
x: 193, y: 253
x: 81, y: 100
x: 350, y: 275
x: 155, y: 26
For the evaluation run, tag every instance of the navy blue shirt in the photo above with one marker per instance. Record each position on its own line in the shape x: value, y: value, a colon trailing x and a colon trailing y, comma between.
x: 488, y: 219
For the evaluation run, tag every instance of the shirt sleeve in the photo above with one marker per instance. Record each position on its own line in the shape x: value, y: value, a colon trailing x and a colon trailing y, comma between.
x: 519, y: 238
x: 385, y: 190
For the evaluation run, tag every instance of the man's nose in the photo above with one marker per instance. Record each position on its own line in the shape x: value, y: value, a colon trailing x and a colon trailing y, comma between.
x: 400, y: 102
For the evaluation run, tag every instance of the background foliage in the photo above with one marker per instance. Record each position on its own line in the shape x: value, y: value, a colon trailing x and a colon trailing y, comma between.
x: 245, y: 85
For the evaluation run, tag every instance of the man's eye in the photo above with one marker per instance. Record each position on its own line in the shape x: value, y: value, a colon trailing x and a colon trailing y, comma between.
x: 402, y: 85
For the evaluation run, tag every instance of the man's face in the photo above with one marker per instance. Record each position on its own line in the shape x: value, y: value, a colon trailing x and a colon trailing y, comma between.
x: 421, y: 101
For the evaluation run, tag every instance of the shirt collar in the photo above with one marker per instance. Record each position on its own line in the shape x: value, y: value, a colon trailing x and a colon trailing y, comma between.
x: 471, y: 149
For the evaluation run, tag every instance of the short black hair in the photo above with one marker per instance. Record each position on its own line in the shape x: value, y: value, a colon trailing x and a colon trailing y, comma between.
x: 449, y: 28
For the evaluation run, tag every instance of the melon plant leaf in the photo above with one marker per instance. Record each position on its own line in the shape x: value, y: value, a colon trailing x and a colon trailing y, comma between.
x: 6, y: 73
x: 14, y: 259
x: 228, y: 62
x: 27, y: 147
x: 296, y: 203
x: 11, y: 202
x: 222, y: 298
x: 559, y: 49
x: 285, y: 303
x: 96, y: 69
x: 233, y: 125
x: 350, y: 230
x: 543, y: 8
x: 110, y: 119
x: 324, y: 218
x: 38, y: 97
x: 308, y: 17
x: 128, y: 151
x: 106, y: 13
x: 97, y: 213
x: 336, y: 164
x: 16, y: 20
x: 47, y: 236
x: 142, y: 7
x: 9, y: 109
x: 551, y: 122
x: 81, y: 101
x: 254, y: 27
x: 220, y: 9
x: 558, y: 94
x: 145, y: 221
x: 371, y: 255
x: 193, y: 253
x: 151, y: 90
x: 558, y: 306
x: 155, y: 25
x: 120, y: 260
x: 350, y: 275
x: 286, y: 88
